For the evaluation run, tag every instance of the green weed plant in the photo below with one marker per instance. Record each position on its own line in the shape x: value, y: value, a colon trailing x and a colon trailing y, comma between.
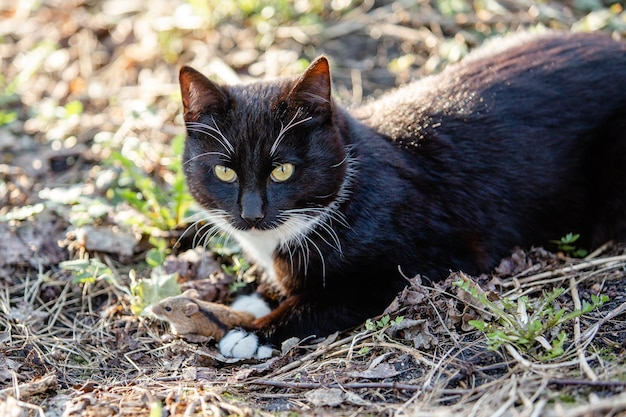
x: 383, y: 323
x: 164, y: 206
x: 532, y: 326
x: 567, y: 245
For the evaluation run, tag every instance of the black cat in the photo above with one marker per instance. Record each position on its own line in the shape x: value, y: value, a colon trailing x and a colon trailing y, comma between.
x: 507, y: 148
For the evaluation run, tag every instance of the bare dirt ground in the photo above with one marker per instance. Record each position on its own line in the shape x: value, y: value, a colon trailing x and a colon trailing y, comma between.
x: 89, y: 111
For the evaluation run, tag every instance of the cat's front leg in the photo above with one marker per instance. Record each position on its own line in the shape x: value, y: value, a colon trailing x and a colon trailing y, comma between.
x: 317, y: 315
x: 314, y: 314
x: 243, y: 344
x: 296, y: 316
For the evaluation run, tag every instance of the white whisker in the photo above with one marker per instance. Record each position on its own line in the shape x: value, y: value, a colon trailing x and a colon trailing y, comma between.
x: 321, y: 258
x: 192, y: 222
x: 223, y: 155
x: 302, y: 224
x: 206, y: 233
x: 212, y: 131
x: 325, y: 227
x: 284, y: 129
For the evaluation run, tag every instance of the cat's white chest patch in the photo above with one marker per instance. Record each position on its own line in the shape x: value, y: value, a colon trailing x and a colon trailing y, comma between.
x: 260, y: 245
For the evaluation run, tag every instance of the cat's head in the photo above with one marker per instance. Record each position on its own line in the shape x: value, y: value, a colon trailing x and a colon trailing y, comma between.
x: 257, y: 155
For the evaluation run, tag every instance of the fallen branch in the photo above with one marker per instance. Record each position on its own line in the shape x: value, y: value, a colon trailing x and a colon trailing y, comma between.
x: 584, y: 365
x: 30, y: 389
x: 354, y: 385
x: 573, y: 268
x: 613, y: 404
x: 587, y: 382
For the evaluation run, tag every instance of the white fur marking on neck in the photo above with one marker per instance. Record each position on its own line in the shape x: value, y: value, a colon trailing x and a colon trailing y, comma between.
x: 261, y: 244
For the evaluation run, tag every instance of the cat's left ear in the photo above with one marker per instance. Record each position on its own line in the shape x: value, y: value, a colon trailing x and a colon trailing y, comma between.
x: 312, y: 89
x: 200, y: 95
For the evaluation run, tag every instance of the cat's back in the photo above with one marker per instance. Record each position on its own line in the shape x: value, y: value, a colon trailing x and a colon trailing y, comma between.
x: 528, y: 136
x: 565, y: 79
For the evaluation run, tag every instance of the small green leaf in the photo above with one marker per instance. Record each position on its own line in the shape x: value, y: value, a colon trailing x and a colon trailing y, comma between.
x: 73, y: 108
x: 154, y: 258
x: 151, y: 290
x: 383, y: 321
x: 7, y: 117
x: 480, y: 325
x: 88, y: 270
x: 566, y: 245
x: 364, y: 350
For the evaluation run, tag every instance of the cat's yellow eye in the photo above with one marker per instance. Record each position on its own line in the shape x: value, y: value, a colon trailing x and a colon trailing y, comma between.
x: 282, y: 172
x: 224, y: 174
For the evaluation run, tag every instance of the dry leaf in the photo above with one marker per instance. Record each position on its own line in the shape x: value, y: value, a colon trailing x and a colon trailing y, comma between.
x: 382, y: 371
x: 325, y: 397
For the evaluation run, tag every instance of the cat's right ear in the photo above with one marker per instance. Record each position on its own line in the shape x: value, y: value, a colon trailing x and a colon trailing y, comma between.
x: 312, y: 89
x: 200, y: 95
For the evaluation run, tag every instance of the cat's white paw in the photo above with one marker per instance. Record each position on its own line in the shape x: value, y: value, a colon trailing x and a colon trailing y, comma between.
x: 240, y: 344
x: 252, y: 304
x: 264, y: 352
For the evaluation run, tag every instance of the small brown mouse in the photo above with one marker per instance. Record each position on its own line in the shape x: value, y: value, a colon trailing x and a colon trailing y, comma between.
x: 187, y: 314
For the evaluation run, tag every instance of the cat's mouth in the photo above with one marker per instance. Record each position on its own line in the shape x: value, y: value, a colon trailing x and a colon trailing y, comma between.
x: 255, y: 230
x: 289, y: 223
x: 257, y: 226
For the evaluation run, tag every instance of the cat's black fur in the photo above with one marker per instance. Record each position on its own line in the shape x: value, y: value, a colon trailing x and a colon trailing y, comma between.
x: 507, y: 148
